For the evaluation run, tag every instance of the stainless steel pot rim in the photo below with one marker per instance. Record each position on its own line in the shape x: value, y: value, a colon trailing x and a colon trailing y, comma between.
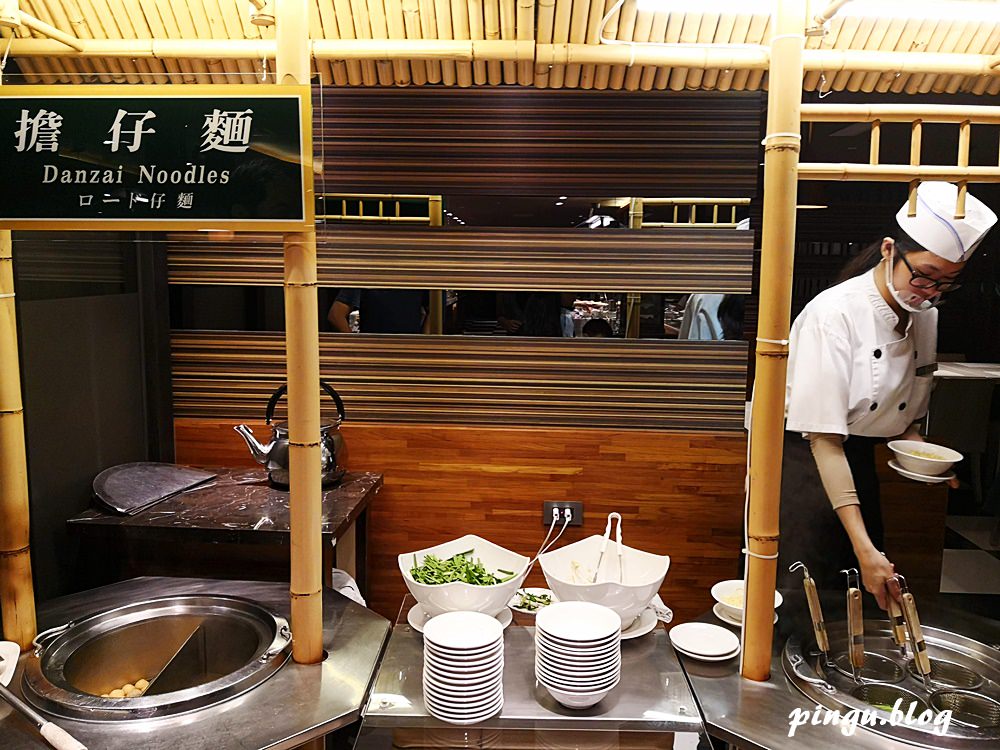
x: 57, y: 696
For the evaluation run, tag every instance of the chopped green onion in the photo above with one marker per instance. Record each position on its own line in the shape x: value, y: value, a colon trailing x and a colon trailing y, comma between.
x: 459, y: 567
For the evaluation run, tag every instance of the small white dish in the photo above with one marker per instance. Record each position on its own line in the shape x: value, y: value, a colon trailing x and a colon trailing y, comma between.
x: 700, y: 657
x: 925, y: 478
x: 535, y: 592
x: 460, y: 631
x: 641, y: 625
x: 728, y: 592
x: 577, y: 622
x: 417, y: 617
x: 703, y: 639
x: 719, y: 610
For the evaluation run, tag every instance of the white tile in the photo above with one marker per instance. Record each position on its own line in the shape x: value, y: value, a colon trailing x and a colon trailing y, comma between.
x: 976, y: 529
x: 970, y: 571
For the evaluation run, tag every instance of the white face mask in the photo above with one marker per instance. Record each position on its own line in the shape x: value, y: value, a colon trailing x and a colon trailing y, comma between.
x: 910, y: 302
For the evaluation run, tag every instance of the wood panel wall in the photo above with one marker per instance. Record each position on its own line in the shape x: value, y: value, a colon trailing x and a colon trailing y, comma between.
x: 679, y: 494
x: 508, y: 141
x: 485, y: 380
x: 675, y: 260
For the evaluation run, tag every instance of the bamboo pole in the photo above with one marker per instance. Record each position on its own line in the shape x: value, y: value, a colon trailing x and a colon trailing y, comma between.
x: 442, y: 11
x: 619, y: 55
x: 873, y: 146
x: 526, y: 33
x: 916, y: 132
x: 980, y: 115
x: 543, y: 34
x: 17, y: 596
x: 602, y: 73
x: 895, y: 173
x: 428, y: 26
x: 388, y: 71
x: 577, y: 35
x: 476, y: 32
x: 396, y: 28
x: 508, y: 30
x: 302, y: 342
x: 964, y: 137
x: 626, y: 28
x: 594, y: 17
x: 436, y: 312
x: 560, y: 35
x: 491, y: 32
x: 51, y: 32
x: 781, y: 154
x: 370, y: 74
x: 460, y: 28
x: 411, y: 22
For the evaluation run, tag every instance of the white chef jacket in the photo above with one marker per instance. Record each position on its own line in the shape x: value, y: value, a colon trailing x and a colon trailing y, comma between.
x: 850, y: 372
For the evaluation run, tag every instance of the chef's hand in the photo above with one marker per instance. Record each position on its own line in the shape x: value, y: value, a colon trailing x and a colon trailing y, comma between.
x: 875, y: 569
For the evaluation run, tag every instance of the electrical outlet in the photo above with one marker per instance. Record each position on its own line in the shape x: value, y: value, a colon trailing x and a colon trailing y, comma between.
x: 576, y: 508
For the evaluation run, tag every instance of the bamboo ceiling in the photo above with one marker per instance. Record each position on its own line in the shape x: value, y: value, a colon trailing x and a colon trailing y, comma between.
x: 520, y: 42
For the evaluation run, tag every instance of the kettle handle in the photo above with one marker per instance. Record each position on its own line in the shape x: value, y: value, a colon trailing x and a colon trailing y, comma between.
x: 283, y: 389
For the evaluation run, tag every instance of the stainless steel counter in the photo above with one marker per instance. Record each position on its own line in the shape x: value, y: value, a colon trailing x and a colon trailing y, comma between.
x: 653, y: 695
x: 755, y: 715
x: 297, y: 704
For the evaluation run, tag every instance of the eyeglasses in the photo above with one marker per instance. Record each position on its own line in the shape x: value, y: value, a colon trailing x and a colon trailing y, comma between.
x: 922, y: 281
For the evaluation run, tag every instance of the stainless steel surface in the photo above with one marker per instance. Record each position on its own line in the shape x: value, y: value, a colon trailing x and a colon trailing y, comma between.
x: 755, y: 715
x: 653, y: 695
x: 232, y: 644
x: 968, y: 708
x: 948, y: 674
x: 296, y: 704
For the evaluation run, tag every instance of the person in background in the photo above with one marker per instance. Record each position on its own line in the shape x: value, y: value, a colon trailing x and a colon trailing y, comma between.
x: 597, y: 328
x: 701, y: 318
x: 381, y: 310
x: 860, y: 364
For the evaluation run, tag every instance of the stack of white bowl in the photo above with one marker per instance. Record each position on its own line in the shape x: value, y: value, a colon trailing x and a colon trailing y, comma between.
x: 578, y: 655
x: 463, y: 667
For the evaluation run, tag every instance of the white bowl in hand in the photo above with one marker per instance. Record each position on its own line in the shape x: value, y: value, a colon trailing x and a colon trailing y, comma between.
x: 459, y: 596
x: 924, y: 458
x: 570, y: 570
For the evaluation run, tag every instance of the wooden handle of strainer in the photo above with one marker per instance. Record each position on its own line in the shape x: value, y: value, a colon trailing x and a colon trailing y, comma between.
x: 856, y: 628
x: 916, y: 634
x: 816, y: 612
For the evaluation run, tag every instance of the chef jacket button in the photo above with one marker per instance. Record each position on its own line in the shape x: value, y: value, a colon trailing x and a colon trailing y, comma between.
x: 873, y: 407
x: 902, y: 406
x: 878, y: 353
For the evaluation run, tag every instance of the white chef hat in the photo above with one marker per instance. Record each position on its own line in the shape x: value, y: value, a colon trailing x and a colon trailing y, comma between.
x: 935, y: 227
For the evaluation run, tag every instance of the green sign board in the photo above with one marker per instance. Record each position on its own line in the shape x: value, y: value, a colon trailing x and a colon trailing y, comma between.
x: 156, y: 157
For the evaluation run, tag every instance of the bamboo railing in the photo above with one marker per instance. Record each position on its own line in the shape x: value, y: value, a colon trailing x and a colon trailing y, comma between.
x: 693, y: 218
x: 17, y: 595
x: 781, y: 154
x: 302, y: 342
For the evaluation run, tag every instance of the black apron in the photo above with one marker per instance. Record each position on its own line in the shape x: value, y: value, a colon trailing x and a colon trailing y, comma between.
x: 810, y: 528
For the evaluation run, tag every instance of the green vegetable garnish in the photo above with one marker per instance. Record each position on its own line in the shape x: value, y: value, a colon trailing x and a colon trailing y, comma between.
x: 459, y: 567
x: 532, y: 602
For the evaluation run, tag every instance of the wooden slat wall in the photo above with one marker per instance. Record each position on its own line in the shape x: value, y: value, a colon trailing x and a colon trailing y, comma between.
x: 679, y: 494
x: 654, y: 260
x: 678, y: 385
x: 534, y: 142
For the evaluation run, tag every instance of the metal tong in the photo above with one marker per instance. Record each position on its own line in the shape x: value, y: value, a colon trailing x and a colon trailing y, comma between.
x: 815, y: 612
x: 897, y: 625
x: 604, y: 546
x: 855, y: 623
x: 920, y: 657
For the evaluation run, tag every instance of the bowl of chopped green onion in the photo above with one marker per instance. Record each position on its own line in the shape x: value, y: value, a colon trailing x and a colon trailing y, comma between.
x: 924, y: 458
x: 466, y: 574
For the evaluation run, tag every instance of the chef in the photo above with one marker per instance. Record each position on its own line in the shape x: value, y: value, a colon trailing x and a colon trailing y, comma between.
x: 861, y: 359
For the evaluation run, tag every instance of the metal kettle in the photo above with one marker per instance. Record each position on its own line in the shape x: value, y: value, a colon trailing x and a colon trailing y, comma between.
x: 274, y: 455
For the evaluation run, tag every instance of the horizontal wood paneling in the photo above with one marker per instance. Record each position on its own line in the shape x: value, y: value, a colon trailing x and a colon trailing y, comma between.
x: 613, y: 260
x: 507, y: 141
x: 679, y: 494
x: 681, y: 385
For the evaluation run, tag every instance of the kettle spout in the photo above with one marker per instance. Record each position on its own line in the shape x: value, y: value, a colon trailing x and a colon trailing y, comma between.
x: 259, y: 452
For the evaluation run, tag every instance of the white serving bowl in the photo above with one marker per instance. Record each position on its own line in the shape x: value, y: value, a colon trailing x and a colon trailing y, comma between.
x: 906, y: 455
x: 568, y: 571
x: 577, y: 700
x: 733, y: 590
x: 457, y: 596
